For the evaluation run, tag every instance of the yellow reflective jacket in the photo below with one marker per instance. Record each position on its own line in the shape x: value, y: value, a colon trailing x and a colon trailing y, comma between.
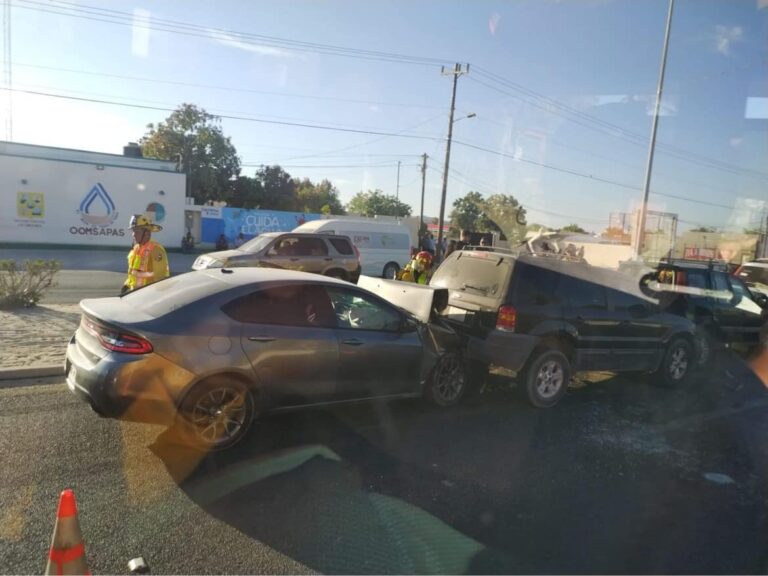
x: 147, y: 263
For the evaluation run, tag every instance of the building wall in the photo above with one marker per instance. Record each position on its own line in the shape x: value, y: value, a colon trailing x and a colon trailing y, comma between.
x: 65, y: 202
x: 605, y: 255
x: 735, y: 248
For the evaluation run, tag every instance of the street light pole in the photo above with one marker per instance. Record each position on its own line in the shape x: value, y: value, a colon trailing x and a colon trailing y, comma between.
x: 456, y: 72
x: 397, y: 193
x: 423, y: 184
x: 649, y: 166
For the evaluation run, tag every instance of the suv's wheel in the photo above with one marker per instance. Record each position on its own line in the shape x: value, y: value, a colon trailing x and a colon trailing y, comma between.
x: 390, y: 271
x: 677, y: 363
x: 217, y: 413
x: 547, y: 378
x: 448, y: 381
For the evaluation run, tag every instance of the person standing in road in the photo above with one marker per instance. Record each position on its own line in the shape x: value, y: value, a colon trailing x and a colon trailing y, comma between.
x: 464, y: 240
x: 147, y: 260
x: 429, y: 243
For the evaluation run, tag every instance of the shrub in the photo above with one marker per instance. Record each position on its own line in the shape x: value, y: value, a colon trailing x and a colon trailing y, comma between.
x: 25, y: 287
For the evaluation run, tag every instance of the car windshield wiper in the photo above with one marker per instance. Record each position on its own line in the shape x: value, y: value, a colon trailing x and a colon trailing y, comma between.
x: 482, y: 289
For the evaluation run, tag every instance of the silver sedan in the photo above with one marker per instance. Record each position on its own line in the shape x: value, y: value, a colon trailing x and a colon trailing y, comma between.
x: 212, y: 350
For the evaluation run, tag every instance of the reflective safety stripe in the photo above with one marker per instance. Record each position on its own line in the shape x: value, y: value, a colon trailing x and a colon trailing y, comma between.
x: 138, y: 264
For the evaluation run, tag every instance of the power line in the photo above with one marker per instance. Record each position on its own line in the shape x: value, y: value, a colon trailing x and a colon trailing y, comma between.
x: 549, y: 166
x: 117, y: 17
x: 223, y: 88
x: 563, y: 110
x: 257, y: 164
x: 226, y: 116
x: 366, y: 143
x: 216, y: 111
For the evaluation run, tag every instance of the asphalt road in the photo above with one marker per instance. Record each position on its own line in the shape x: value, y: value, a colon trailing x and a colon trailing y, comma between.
x: 103, y: 260
x: 621, y: 477
x: 89, y: 274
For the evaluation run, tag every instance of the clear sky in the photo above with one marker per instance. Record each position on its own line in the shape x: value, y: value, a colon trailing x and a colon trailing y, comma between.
x: 562, y: 91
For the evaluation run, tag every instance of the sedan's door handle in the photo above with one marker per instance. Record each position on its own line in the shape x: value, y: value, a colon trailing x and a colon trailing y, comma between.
x: 261, y: 338
x: 353, y: 342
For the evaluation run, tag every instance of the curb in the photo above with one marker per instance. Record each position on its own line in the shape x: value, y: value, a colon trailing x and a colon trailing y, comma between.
x: 24, y: 373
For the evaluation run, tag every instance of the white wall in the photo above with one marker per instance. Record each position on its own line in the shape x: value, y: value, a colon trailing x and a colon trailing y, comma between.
x: 41, y: 199
x: 605, y: 255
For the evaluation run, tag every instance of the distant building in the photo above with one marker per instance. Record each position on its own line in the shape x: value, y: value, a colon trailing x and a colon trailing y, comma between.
x: 74, y: 197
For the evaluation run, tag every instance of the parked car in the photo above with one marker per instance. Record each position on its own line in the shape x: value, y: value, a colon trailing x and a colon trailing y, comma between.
x: 721, y: 305
x: 543, y: 318
x: 214, y: 349
x: 327, y: 254
x: 755, y: 276
x: 384, y: 247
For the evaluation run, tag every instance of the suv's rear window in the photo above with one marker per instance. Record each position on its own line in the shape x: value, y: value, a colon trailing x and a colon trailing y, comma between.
x: 342, y: 246
x: 481, y: 273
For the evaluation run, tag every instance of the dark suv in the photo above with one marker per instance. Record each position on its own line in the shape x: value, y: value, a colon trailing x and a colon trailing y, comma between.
x: 725, y: 311
x: 541, y: 318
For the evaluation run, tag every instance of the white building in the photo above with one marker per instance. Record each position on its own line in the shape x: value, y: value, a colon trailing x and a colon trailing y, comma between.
x: 57, y: 196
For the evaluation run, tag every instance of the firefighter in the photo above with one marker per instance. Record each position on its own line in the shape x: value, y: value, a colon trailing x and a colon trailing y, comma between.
x: 147, y: 260
x: 417, y: 270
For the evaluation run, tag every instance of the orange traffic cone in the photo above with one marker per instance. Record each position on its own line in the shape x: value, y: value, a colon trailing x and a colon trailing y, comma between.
x: 67, y: 555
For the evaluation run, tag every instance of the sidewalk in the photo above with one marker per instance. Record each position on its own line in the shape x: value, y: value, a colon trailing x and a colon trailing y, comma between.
x: 37, y: 337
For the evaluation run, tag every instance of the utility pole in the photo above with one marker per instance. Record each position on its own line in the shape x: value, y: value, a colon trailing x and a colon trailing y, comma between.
x: 649, y: 166
x: 457, y: 71
x: 7, y: 77
x: 397, y: 193
x: 423, y: 183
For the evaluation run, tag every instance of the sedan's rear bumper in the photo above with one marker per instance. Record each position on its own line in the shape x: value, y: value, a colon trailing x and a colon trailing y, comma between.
x: 129, y: 387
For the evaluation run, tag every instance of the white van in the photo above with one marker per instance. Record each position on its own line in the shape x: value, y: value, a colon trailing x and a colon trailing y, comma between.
x: 385, y: 247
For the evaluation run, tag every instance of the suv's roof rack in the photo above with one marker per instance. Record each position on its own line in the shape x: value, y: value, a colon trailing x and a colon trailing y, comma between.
x: 710, y: 263
x: 488, y: 249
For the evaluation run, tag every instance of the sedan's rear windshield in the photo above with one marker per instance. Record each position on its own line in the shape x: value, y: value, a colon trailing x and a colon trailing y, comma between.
x: 482, y: 273
x: 163, y: 297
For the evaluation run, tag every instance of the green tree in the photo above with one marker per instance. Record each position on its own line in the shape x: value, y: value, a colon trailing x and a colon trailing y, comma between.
x: 245, y: 192
x: 753, y: 230
x: 503, y: 213
x: 466, y: 212
x: 704, y: 229
x: 376, y: 203
x: 278, y: 188
x: 575, y: 228
x: 312, y: 197
x: 193, y: 139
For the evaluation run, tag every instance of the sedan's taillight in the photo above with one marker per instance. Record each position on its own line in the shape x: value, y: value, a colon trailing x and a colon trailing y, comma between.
x: 506, y: 319
x: 117, y: 341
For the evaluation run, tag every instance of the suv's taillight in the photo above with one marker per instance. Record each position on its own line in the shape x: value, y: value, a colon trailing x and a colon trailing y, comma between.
x: 357, y: 252
x: 115, y: 340
x: 506, y: 319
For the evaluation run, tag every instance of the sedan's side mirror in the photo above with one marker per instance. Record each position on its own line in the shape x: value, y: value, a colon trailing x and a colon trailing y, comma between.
x: 761, y: 299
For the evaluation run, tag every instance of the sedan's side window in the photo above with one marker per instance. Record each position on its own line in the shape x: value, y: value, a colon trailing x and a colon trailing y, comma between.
x: 358, y: 311
x: 291, y: 305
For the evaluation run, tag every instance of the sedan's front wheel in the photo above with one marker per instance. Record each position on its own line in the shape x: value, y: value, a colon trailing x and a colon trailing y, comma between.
x: 217, y: 413
x: 448, y: 382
